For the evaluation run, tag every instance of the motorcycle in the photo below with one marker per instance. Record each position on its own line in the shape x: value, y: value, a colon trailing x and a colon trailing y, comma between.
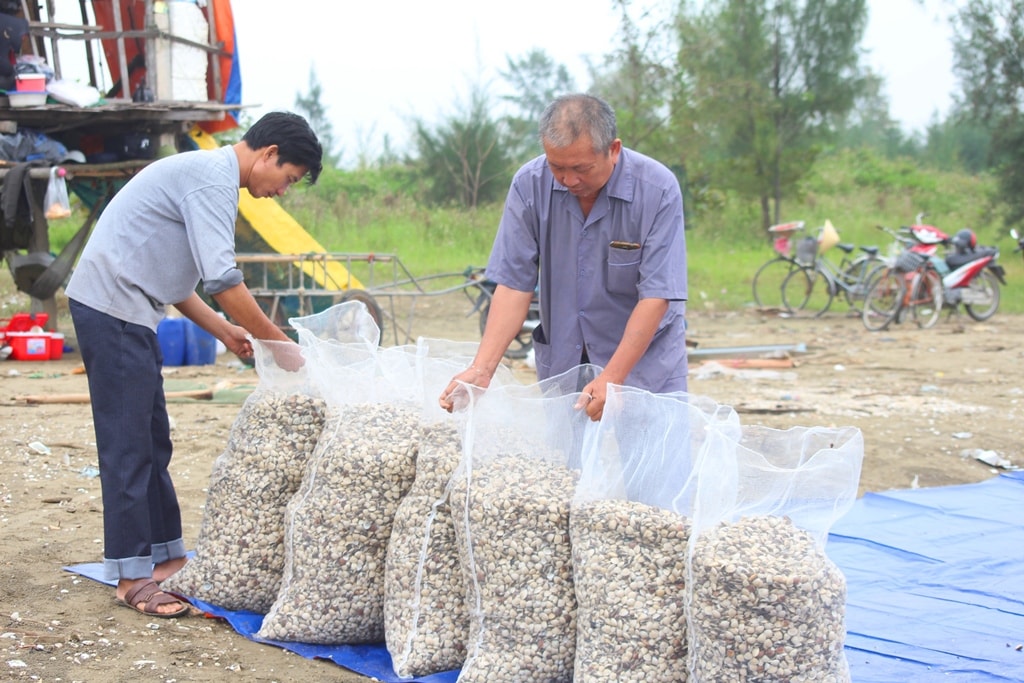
x: 972, y: 276
x: 523, y: 343
x: 970, y: 273
x: 966, y: 274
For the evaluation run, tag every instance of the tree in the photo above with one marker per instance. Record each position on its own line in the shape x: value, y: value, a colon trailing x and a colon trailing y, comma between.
x: 988, y: 50
x: 869, y: 123
x: 465, y: 159
x: 639, y: 79
x: 765, y: 83
x: 535, y: 80
x: 957, y: 144
x: 312, y: 107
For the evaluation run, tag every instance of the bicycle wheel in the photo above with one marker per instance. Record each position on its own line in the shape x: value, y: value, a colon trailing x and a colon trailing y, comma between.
x: 883, y: 299
x: 807, y: 291
x: 925, y: 300
x: 768, y: 281
x: 855, y: 277
x: 981, y: 297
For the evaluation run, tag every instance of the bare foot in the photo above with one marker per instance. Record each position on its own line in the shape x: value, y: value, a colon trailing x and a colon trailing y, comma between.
x: 162, y: 571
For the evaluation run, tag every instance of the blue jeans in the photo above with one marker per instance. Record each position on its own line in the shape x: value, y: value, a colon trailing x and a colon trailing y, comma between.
x: 141, y: 516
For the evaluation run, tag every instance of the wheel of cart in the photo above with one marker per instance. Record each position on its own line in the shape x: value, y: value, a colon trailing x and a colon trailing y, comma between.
x: 280, y: 307
x: 372, y: 307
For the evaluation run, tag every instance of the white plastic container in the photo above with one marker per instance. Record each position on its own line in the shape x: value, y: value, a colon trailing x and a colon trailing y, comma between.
x: 20, y: 99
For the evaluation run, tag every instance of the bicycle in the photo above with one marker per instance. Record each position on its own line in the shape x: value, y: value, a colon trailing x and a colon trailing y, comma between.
x: 910, y: 286
x: 767, y: 284
x: 813, y: 287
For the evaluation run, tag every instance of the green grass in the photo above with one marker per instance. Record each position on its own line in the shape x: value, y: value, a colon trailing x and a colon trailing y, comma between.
x: 856, y: 191
x: 426, y: 240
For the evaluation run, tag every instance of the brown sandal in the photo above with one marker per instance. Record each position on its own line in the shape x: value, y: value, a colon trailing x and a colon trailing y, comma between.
x: 149, y: 592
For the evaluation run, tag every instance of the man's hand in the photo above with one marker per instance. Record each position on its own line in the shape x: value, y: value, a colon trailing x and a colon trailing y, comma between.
x: 236, y: 339
x: 287, y: 355
x: 593, y: 397
x: 455, y: 396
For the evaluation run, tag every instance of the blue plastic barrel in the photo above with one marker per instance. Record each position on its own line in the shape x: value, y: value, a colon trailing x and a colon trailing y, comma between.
x: 200, y: 345
x: 170, y: 333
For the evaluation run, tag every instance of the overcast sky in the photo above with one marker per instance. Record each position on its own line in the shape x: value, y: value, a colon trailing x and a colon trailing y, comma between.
x: 380, y: 63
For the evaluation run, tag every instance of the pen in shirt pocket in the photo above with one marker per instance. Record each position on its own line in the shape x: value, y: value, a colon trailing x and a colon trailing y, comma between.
x: 628, y: 246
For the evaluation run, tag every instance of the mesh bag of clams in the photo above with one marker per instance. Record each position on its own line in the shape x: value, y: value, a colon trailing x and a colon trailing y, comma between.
x: 766, y: 602
x: 238, y: 563
x: 339, y: 522
x: 510, y: 499
x: 425, y: 618
x: 629, y: 525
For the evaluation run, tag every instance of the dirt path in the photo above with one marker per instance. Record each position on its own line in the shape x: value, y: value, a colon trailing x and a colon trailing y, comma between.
x: 921, y: 399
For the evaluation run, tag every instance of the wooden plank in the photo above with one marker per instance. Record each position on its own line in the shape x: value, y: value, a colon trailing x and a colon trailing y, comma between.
x: 122, y: 59
x: 765, y: 409
x: 757, y: 363
x: 115, y: 170
x: 201, y: 394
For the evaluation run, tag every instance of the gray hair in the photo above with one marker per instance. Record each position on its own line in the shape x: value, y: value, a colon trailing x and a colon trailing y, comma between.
x: 570, y: 117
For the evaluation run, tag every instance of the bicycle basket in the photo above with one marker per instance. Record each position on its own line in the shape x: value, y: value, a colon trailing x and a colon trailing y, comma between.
x: 806, y: 250
x: 908, y: 261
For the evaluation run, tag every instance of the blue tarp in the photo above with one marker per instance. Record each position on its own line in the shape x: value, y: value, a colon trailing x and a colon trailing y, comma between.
x: 935, y: 589
x: 935, y: 583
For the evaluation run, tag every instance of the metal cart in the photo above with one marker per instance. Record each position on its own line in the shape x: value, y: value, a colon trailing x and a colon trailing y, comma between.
x: 295, y: 285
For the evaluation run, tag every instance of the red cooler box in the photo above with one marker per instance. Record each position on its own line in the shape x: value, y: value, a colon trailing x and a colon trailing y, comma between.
x: 29, y: 345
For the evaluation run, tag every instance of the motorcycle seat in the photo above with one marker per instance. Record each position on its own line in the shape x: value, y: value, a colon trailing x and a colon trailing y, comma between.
x: 954, y: 261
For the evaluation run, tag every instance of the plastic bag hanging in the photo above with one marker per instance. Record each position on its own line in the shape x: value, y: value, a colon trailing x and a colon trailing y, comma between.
x: 56, y: 200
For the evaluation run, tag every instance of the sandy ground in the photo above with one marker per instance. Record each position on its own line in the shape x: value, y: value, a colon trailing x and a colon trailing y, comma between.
x: 927, y: 401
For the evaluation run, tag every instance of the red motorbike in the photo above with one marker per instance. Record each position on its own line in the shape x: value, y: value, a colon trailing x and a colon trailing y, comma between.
x: 973, y: 276
x: 921, y: 282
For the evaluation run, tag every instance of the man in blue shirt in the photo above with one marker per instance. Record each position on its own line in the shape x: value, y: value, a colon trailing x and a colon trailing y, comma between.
x: 598, y: 228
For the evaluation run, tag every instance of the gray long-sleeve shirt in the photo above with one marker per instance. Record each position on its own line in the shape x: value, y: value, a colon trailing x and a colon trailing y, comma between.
x: 167, y: 229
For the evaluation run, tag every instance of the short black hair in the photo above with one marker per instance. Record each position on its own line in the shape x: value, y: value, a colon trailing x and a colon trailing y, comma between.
x: 296, y: 142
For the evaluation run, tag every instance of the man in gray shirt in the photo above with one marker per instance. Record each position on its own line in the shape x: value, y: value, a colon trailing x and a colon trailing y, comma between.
x: 598, y: 229
x: 170, y: 227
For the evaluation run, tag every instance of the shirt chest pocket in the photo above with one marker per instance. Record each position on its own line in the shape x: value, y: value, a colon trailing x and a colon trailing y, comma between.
x: 623, y: 268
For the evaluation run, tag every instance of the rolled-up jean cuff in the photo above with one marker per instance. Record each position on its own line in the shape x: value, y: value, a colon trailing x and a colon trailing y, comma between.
x: 128, y: 568
x: 168, y: 551
x: 142, y: 567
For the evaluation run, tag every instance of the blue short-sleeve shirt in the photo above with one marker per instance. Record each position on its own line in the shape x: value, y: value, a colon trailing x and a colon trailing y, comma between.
x: 592, y: 271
